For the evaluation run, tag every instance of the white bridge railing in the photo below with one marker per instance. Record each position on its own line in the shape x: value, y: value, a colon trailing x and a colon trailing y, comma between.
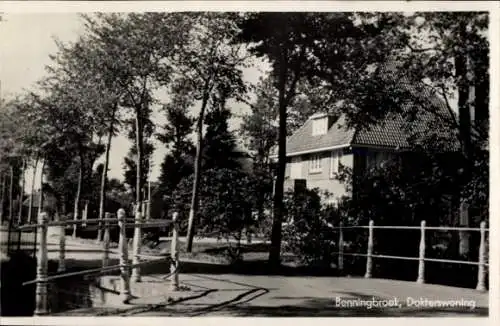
x: 42, y: 277
x: 482, y: 263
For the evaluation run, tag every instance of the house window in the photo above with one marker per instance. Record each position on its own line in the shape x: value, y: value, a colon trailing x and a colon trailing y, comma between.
x: 319, y: 126
x: 315, y: 164
x: 334, y: 163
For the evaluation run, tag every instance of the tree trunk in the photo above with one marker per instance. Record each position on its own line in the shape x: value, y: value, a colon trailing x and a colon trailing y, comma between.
x: 104, y: 177
x: 30, y: 209
x: 197, y: 170
x: 21, y: 193
x: 40, y: 199
x: 148, y: 207
x: 63, y: 205
x: 77, y: 197
x: 461, y: 66
x: 275, y: 248
x: 139, y: 146
x: 11, y: 194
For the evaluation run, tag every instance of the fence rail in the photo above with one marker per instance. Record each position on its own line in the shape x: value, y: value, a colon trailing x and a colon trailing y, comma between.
x: 482, y: 263
x: 155, y: 223
x: 402, y: 227
x: 125, y: 265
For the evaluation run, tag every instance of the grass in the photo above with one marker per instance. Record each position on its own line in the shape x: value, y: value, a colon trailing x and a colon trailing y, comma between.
x: 212, y: 252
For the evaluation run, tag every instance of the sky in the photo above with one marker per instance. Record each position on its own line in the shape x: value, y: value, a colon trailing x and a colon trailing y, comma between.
x: 27, y: 42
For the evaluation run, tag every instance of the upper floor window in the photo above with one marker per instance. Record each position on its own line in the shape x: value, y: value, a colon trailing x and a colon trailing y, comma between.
x: 319, y: 126
x: 334, y: 163
x: 315, y: 163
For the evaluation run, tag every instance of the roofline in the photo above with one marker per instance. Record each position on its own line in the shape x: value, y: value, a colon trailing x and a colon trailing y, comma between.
x: 394, y: 148
x: 315, y: 150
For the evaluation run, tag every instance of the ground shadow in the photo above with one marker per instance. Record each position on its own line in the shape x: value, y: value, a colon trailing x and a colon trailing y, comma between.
x: 327, y: 307
x: 242, y: 305
x: 323, y: 308
x: 73, y: 292
x: 189, y: 266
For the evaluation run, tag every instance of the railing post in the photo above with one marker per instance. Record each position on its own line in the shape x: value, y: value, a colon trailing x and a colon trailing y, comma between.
x: 174, y: 254
x: 100, y: 226
x: 421, y: 255
x: 341, y: 247
x: 62, y: 244
x: 369, y: 253
x: 85, y: 213
x: 481, y: 274
x: 41, y: 268
x: 464, y: 236
x: 249, y: 235
x: 73, y: 235
x: 105, y: 258
x: 144, y: 209
x: 124, y: 263
x: 136, y: 246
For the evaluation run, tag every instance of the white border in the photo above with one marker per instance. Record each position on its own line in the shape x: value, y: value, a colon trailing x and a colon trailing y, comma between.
x: 494, y: 30
x: 140, y: 6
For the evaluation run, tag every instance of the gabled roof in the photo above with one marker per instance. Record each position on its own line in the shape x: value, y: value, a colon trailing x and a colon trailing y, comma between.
x: 395, y: 131
x: 48, y: 198
x: 399, y: 130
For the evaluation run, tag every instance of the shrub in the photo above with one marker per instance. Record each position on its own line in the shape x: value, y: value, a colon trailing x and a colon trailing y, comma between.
x: 305, y: 231
x: 225, y: 206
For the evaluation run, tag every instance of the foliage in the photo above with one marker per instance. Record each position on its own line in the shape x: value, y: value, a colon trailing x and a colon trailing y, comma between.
x: 454, y: 63
x: 225, y: 208
x: 314, y: 49
x: 284, y: 39
x: 306, y: 233
x: 130, y: 167
x: 258, y: 127
x: 178, y: 163
x: 219, y: 148
x: 138, y: 49
x: 209, y: 70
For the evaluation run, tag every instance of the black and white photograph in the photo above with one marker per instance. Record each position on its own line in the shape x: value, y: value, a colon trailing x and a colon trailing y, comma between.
x: 246, y: 163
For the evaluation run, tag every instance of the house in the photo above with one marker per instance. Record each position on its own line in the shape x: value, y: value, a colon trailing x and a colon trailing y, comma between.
x: 49, y: 203
x: 324, y: 142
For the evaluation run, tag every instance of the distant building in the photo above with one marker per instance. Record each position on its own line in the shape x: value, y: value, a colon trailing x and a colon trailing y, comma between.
x: 49, y: 203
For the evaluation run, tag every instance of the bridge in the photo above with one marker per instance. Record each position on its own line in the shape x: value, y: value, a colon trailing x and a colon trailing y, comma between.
x: 205, y: 289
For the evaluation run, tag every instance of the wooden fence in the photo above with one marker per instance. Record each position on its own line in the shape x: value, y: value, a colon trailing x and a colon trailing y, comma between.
x: 482, y: 263
x: 124, y: 266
